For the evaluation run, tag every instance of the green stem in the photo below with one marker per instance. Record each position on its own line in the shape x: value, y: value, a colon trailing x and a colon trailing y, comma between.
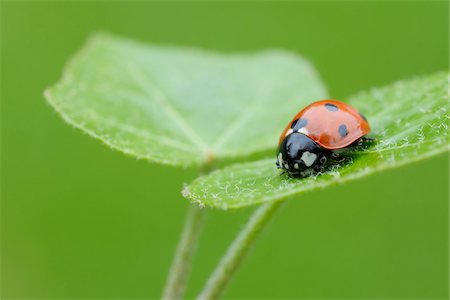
x: 181, y: 266
x: 235, y: 254
x: 182, y: 262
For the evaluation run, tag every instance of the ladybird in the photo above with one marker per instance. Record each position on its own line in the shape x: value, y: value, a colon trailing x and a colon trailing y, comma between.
x: 318, y: 136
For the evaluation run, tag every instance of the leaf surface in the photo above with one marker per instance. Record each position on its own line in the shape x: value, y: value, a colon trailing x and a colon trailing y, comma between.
x: 182, y: 106
x: 409, y: 120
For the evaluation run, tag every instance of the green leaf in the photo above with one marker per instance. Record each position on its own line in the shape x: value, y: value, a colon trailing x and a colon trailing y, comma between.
x: 182, y: 106
x: 409, y: 119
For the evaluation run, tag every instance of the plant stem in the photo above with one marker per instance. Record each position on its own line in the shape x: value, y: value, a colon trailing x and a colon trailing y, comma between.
x: 182, y: 261
x: 181, y: 266
x: 237, y: 251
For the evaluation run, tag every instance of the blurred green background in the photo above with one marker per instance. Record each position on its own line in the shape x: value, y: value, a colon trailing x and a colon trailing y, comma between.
x: 82, y: 221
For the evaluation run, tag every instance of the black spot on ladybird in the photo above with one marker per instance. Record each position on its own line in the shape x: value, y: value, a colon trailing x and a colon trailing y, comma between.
x: 343, y: 130
x: 331, y: 107
x: 299, y: 123
x: 294, y: 123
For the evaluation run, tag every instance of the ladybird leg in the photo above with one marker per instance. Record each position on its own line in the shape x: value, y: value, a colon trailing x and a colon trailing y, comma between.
x: 338, y: 158
x: 322, y: 163
x: 319, y: 168
x: 366, y: 139
x: 366, y: 142
x: 359, y: 145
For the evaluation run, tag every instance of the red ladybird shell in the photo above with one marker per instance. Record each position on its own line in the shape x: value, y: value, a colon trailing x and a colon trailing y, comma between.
x: 330, y: 123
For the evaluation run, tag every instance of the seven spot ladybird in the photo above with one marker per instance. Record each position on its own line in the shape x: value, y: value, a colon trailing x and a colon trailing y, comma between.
x: 317, y: 136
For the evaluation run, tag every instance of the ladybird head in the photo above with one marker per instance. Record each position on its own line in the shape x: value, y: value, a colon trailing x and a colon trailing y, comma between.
x: 299, y: 155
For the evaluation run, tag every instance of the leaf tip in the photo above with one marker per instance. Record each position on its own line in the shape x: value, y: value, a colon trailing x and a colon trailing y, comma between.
x: 185, y: 192
x: 99, y: 35
x: 47, y: 94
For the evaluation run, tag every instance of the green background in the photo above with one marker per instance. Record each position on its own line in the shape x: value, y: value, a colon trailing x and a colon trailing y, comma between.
x: 82, y: 221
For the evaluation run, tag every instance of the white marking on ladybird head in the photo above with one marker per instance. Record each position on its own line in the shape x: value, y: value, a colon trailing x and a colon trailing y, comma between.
x: 308, y: 158
x: 296, y: 166
x: 303, y: 130
x: 280, y: 158
x: 289, y: 132
x: 286, y: 166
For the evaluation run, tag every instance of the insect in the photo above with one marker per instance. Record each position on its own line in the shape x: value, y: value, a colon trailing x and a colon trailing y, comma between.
x: 318, y: 137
